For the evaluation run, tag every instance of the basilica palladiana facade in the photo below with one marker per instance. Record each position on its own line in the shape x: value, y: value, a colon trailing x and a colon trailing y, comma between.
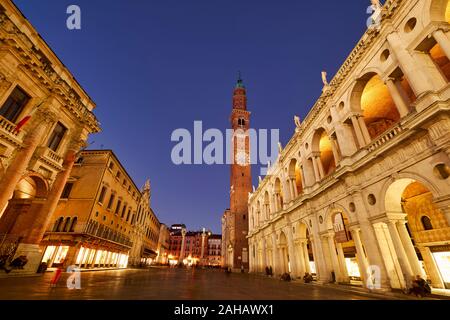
x: 361, y: 193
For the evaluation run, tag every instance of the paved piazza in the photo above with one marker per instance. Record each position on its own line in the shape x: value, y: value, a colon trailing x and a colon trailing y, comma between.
x: 174, y: 284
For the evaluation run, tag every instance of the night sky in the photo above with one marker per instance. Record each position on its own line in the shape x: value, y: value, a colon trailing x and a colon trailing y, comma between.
x: 154, y: 66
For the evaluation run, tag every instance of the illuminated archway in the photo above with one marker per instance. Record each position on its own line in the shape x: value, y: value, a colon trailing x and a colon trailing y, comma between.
x: 284, y: 256
x: 421, y: 242
x: 351, y: 263
x: 296, y: 176
x: 440, y: 11
x: 278, y: 195
x: 377, y: 106
x: 305, y: 250
x: 23, y: 208
x: 323, y: 145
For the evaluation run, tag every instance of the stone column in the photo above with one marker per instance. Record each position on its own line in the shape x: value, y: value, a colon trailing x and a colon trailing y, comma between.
x: 274, y: 254
x: 432, y: 268
x: 292, y: 253
x: 401, y: 254
x: 409, y: 248
x: 292, y: 189
x: 304, y: 245
x: 316, y: 169
x: 71, y: 256
x: 362, y: 259
x: 42, y: 219
x: 183, y: 238
x: 95, y: 258
x: 335, y: 149
x: 419, y: 83
x: 300, y: 258
x: 334, y: 258
x: 342, y: 264
x: 264, y: 259
x: 203, y: 247
x: 397, y: 96
x: 320, y: 166
x: 442, y: 39
x: 364, y: 131
x: 41, y: 122
x: 370, y: 241
x: 358, y: 132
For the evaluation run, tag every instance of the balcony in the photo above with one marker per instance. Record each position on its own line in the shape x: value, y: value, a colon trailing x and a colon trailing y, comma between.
x: 384, y: 138
x: 96, y: 230
x: 7, y: 131
x: 50, y: 157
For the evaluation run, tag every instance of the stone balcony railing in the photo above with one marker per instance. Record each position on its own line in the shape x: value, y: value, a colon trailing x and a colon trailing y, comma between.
x: 7, y: 130
x: 384, y: 138
x: 96, y: 230
x: 50, y: 157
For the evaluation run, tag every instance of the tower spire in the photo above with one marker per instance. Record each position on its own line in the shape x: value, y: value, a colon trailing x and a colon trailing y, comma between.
x: 240, y: 83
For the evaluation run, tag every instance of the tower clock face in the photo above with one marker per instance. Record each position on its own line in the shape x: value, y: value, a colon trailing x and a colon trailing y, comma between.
x: 242, y: 158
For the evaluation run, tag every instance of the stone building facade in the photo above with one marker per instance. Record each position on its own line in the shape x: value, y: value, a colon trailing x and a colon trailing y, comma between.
x: 36, y: 156
x: 145, y: 233
x: 188, y: 247
x: 215, y: 250
x: 93, y: 224
x: 102, y: 218
x: 362, y: 191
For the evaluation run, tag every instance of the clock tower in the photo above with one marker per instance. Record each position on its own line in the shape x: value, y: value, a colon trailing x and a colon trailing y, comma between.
x: 240, y: 182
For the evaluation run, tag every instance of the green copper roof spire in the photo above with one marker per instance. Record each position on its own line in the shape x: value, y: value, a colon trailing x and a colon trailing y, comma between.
x: 240, y: 83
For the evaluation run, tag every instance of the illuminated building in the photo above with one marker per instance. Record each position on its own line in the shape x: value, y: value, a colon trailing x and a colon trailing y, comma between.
x: 214, y: 250
x: 96, y: 223
x: 145, y: 233
x: 35, y: 161
x: 186, y: 246
x: 235, y: 219
x: 364, y: 183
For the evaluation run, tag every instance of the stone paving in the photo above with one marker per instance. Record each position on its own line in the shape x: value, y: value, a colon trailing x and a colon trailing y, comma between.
x: 175, y: 284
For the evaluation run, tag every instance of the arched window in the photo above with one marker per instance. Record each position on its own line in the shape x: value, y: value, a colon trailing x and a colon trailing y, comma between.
x: 73, y: 224
x: 57, y: 225
x: 426, y: 223
x: 66, y: 225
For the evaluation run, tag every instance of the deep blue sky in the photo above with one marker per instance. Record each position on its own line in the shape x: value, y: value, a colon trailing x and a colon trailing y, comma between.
x: 154, y: 66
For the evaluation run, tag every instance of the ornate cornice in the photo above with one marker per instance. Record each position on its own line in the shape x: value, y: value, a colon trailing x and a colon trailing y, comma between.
x: 35, y: 62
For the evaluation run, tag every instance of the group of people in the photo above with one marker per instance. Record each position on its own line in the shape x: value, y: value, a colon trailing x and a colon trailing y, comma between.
x: 307, y: 278
x: 269, y: 271
x: 419, y: 287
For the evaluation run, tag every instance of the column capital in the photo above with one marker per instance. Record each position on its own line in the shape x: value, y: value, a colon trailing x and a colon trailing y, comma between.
x: 355, y: 229
x: 440, y: 27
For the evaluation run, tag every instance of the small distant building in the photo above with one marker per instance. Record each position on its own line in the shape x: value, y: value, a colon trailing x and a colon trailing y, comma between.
x: 214, y: 250
x: 186, y: 246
